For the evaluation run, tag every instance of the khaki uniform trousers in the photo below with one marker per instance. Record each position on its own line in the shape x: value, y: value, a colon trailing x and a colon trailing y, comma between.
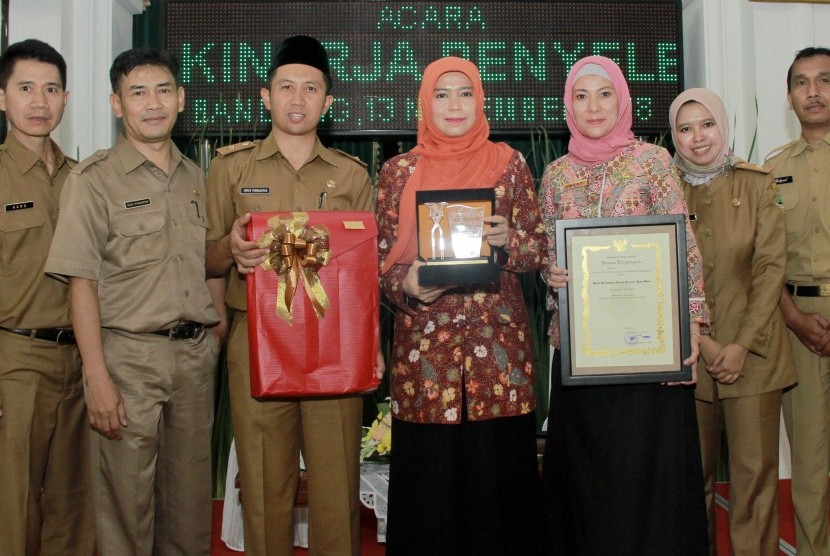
x: 45, y: 493
x: 752, y: 426
x: 807, y: 420
x: 268, y: 436
x: 153, y: 488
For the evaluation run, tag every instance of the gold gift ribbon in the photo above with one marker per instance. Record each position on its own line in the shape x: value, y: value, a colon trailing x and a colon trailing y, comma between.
x: 296, y: 252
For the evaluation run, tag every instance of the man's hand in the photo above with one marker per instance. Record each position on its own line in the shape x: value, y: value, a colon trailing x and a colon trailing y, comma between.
x: 220, y: 332
x: 105, y: 407
x: 425, y: 294
x: 811, y: 329
x: 823, y: 346
x: 246, y: 254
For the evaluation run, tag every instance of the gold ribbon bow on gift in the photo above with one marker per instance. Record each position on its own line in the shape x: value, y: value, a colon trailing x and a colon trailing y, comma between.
x: 296, y: 252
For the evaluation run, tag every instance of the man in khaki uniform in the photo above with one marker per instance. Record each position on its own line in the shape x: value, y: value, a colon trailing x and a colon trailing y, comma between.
x: 289, y: 171
x: 46, y: 501
x: 802, y: 172
x: 131, y: 240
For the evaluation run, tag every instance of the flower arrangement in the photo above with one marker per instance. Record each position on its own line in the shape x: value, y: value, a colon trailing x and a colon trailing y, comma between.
x: 377, y: 440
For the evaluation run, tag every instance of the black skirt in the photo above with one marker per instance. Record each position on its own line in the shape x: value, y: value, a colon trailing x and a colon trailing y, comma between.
x: 622, y: 471
x: 459, y: 490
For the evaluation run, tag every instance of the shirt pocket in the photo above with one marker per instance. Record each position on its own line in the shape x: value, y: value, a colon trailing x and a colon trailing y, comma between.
x: 138, y: 239
x: 331, y: 199
x: 795, y: 212
x: 196, y: 213
x: 21, y: 230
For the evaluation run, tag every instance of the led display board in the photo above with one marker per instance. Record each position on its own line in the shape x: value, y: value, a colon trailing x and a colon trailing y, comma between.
x: 378, y: 51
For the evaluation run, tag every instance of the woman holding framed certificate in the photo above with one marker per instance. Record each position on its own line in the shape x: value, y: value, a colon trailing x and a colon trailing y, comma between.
x: 464, y: 474
x: 747, y: 355
x: 622, y: 471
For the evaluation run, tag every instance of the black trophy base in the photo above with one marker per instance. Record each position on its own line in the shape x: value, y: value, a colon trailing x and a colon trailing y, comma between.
x: 459, y: 272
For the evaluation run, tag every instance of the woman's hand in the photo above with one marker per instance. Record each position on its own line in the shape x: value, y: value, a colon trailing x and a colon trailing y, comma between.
x: 496, y: 235
x: 424, y: 294
x: 692, y: 359
x: 695, y: 332
x: 728, y: 365
x: 556, y: 277
x: 709, y: 349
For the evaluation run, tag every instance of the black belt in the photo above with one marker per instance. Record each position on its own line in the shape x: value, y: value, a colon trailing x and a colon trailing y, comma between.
x: 182, y: 330
x: 62, y: 336
x: 798, y: 290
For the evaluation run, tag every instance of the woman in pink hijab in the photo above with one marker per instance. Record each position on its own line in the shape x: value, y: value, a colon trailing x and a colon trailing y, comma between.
x: 622, y: 471
x: 746, y: 356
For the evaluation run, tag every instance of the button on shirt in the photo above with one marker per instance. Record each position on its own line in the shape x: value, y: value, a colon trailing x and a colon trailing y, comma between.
x: 141, y: 234
x: 806, y: 201
x: 29, y: 197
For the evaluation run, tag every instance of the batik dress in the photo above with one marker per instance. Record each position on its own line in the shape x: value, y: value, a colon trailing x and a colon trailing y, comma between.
x: 464, y: 476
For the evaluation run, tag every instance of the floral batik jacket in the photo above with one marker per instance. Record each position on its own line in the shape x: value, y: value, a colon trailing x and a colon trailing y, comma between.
x: 471, y: 348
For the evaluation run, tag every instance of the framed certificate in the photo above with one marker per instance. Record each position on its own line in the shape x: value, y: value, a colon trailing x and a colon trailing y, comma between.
x: 624, y: 316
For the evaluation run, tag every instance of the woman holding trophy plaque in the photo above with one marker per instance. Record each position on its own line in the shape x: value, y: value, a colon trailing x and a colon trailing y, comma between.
x: 621, y: 471
x: 463, y: 477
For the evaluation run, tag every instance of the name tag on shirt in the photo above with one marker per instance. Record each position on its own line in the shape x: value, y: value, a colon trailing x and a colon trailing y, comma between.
x: 256, y: 190
x: 19, y: 206
x: 578, y: 183
x: 137, y: 203
x: 783, y: 180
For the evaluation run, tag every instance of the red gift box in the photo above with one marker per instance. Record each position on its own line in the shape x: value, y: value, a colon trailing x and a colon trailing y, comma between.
x: 316, y: 355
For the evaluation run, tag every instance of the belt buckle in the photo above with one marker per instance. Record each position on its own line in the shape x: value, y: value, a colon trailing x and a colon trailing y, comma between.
x: 65, y: 336
x: 185, y: 331
x: 176, y: 331
x: 824, y: 290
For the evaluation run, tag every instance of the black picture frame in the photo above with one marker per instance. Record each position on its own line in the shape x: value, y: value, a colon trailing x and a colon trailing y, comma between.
x: 640, y: 331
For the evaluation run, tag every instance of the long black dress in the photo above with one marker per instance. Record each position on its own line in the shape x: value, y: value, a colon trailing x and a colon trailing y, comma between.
x: 622, y: 471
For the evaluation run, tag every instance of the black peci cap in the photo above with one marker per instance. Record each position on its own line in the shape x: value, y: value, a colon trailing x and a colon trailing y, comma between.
x: 302, y: 49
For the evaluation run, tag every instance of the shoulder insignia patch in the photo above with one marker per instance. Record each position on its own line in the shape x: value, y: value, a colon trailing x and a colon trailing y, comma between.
x: 762, y: 168
x: 237, y: 147
x: 351, y: 156
x: 778, y: 150
x: 97, y: 156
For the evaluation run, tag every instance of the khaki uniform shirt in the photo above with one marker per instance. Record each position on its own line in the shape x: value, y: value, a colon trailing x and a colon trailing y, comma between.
x: 255, y: 176
x: 802, y: 172
x: 141, y: 234
x: 742, y: 238
x: 29, y: 196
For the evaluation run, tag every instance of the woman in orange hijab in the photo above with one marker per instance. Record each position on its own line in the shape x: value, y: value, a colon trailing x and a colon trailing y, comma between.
x: 464, y: 477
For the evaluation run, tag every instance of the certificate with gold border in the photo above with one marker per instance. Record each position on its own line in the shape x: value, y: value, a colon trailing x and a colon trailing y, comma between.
x: 624, y: 315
